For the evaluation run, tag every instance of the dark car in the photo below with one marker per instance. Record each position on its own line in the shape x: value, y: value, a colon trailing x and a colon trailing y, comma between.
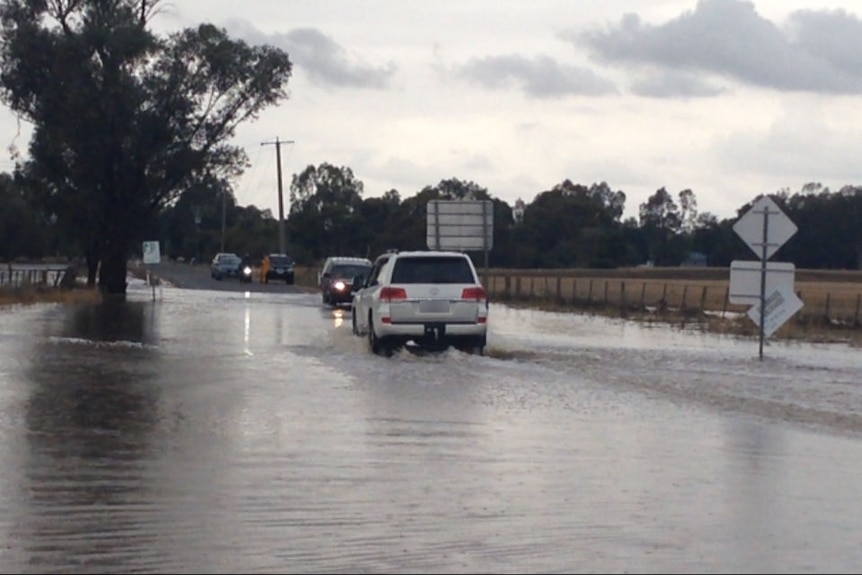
x: 337, y: 278
x: 280, y: 268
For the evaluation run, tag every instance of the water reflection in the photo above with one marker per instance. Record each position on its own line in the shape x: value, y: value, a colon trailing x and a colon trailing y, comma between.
x: 111, y: 321
x: 246, y: 327
x: 90, y: 415
x: 339, y: 317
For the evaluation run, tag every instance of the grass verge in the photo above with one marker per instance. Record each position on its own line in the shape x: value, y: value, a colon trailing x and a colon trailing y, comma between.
x: 29, y: 295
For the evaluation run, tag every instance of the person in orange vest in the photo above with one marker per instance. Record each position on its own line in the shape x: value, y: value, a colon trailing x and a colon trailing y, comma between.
x: 264, y: 269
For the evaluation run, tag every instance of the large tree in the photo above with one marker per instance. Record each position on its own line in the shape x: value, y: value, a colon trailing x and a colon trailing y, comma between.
x: 325, y: 211
x: 123, y: 120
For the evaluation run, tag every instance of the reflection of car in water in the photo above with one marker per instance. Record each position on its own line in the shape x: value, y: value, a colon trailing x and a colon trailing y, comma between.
x: 279, y: 267
x: 225, y: 265
x: 337, y: 278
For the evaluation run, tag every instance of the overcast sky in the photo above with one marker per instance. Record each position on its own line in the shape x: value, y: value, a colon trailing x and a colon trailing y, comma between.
x: 727, y: 98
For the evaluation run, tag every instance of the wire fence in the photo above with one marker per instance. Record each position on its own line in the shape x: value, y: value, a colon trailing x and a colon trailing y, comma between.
x: 36, y: 276
x: 826, y: 301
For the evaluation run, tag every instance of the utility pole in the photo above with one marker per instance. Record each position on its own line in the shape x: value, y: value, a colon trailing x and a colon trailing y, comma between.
x: 282, y: 244
x: 223, y: 214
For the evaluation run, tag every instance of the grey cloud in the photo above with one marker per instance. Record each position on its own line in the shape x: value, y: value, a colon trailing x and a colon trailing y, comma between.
x: 315, y: 54
x: 834, y: 37
x: 665, y: 84
x: 540, y: 77
x: 819, y: 52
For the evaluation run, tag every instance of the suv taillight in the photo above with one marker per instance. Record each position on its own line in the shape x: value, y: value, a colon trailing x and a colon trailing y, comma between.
x: 392, y: 293
x: 476, y: 293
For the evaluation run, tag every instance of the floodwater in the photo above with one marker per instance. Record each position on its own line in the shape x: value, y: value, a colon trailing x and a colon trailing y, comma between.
x: 223, y: 432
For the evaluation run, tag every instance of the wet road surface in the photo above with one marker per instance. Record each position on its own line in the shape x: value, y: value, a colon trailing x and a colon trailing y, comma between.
x: 225, y: 431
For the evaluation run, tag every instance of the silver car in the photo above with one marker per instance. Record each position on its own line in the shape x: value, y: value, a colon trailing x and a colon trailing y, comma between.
x: 225, y: 265
x: 426, y: 299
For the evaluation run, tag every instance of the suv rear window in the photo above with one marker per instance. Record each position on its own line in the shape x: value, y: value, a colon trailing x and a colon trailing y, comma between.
x: 348, y: 271
x: 280, y: 261
x: 432, y: 270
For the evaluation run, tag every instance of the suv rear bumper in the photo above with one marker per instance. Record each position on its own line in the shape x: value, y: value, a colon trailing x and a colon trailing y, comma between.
x: 432, y: 332
x: 287, y: 276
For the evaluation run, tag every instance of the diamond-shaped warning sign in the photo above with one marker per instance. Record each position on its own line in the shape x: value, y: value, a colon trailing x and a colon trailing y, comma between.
x: 764, y: 226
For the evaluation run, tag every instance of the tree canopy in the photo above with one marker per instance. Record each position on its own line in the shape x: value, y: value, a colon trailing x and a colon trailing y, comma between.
x: 123, y: 120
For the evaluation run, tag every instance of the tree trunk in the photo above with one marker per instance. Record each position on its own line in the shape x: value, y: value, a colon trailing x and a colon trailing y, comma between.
x: 112, y: 273
x: 92, y: 268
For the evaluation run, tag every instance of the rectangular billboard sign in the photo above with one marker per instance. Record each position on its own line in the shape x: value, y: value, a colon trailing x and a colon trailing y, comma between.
x: 460, y: 225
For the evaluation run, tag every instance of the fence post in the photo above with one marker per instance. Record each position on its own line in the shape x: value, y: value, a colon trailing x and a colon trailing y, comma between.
x: 643, y: 296
x: 507, y: 285
x: 684, y: 294
x: 559, y: 289
x: 703, y: 301
x: 663, y: 302
x: 590, y: 293
x: 606, y: 292
x: 574, y: 291
x: 518, y: 287
x: 726, y: 300
x: 856, y: 315
x: 623, y: 298
x: 532, y: 287
x: 826, y: 310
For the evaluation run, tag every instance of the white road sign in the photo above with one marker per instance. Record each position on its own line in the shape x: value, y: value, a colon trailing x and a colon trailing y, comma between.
x: 151, y: 253
x: 745, y: 279
x: 466, y: 225
x: 764, y: 215
x: 781, y: 304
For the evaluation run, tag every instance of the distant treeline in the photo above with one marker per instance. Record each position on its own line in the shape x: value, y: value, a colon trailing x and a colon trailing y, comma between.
x: 568, y: 226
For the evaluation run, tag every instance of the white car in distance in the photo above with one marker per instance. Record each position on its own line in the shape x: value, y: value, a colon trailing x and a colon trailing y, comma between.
x: 430, y: 300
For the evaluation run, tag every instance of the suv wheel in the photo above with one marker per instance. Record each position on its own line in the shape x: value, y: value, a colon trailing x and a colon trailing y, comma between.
x: 476, y: 347
x: 377, y: 345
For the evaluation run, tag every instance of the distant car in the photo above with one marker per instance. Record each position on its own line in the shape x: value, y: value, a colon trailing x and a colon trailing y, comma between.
x: 427, y: 299
x: 281, y: 267
x: 225, y: 265
x: 337, y: 278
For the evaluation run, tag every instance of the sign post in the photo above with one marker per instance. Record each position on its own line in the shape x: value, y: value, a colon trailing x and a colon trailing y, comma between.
x: 152, y: 256
x: 765, y: 228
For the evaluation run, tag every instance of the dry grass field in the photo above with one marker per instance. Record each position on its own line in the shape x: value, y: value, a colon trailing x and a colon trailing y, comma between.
x: 687, y: 296
x: 35, y: 294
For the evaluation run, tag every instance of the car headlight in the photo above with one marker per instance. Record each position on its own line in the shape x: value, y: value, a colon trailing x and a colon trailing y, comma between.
x: 339, y: 285
x: 246, y: 270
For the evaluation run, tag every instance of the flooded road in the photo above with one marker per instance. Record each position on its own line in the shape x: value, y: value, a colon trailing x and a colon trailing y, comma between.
x: 224, y: 432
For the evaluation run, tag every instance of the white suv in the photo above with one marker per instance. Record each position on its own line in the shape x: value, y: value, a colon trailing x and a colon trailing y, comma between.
x: 429, y: 299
